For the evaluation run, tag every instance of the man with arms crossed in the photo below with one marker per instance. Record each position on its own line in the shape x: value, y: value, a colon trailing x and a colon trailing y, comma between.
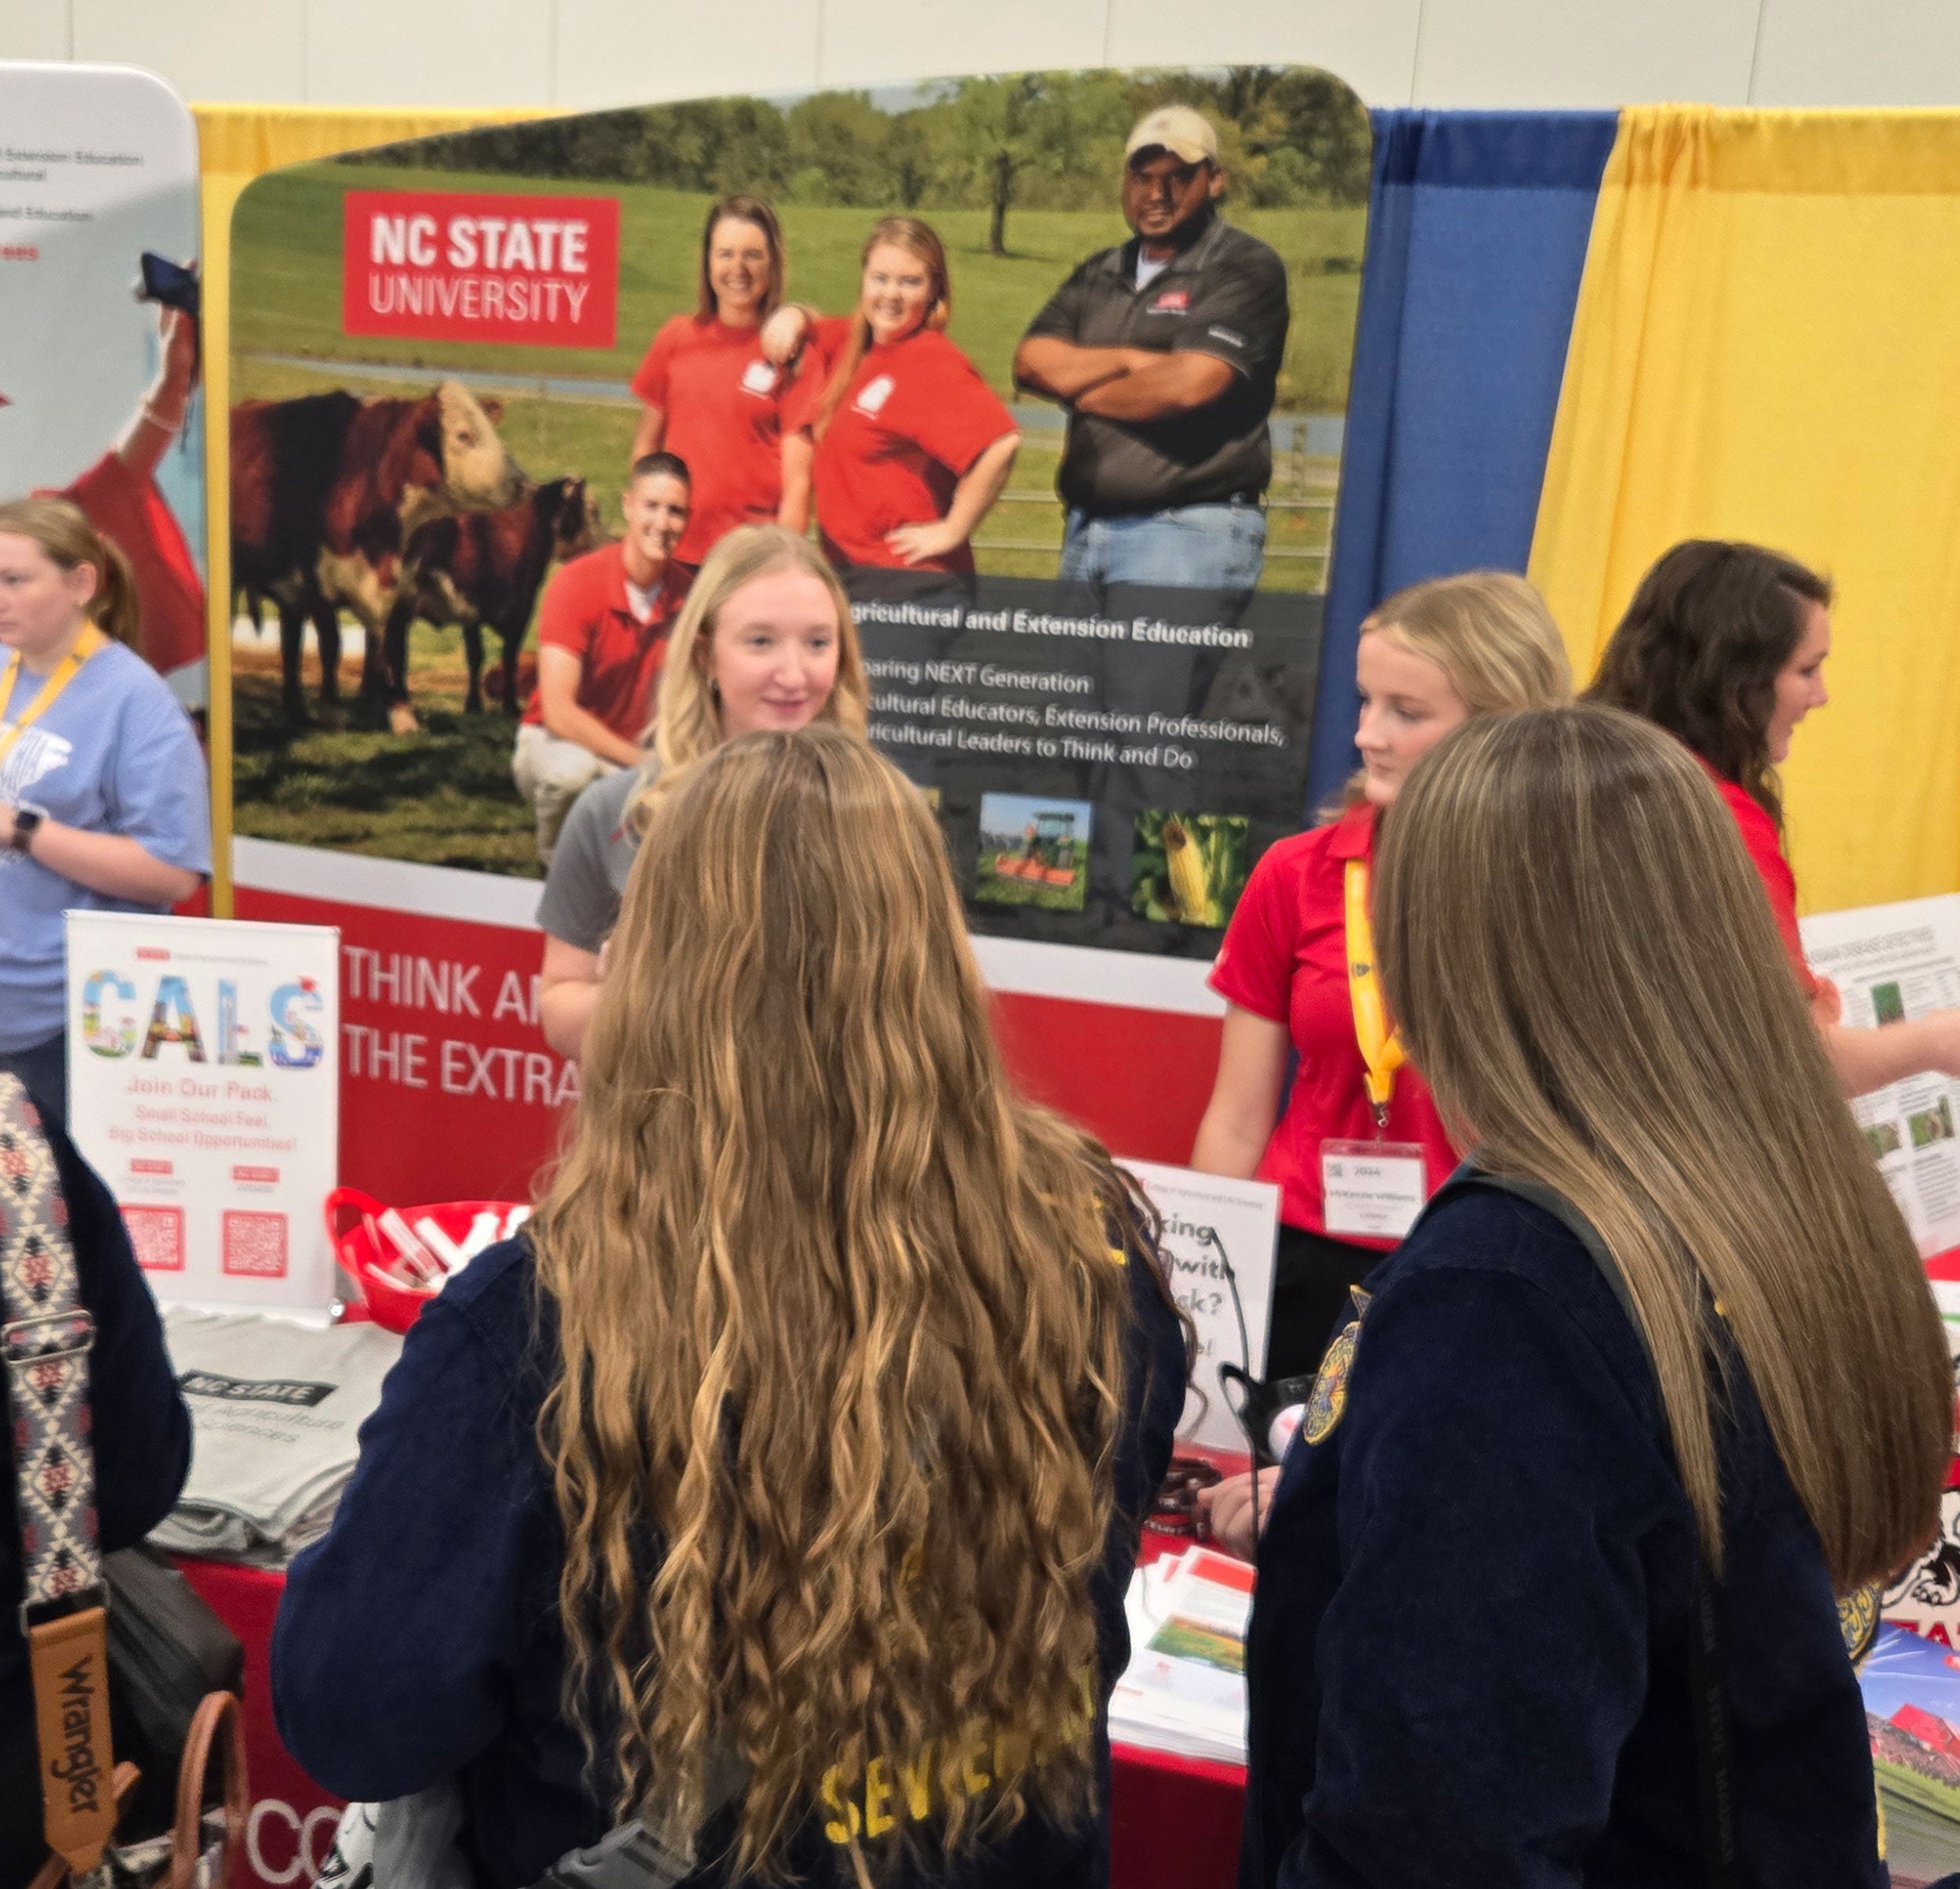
x: 602, y: 636
x: 1166, y: 350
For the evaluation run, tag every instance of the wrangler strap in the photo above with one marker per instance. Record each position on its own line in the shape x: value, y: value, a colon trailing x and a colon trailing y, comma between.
x: 46, y: 1334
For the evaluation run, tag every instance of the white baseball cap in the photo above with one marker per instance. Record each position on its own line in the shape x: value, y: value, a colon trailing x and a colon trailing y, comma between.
x: 1178, y: 129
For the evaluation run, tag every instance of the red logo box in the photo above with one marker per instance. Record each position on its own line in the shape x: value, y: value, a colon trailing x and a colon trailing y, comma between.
x: 156, y: 1234
x: 255, y: 1245
x: 530, y: 271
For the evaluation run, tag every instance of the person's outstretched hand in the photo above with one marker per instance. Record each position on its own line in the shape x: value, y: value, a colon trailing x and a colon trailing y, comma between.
x: 1227, y: 1509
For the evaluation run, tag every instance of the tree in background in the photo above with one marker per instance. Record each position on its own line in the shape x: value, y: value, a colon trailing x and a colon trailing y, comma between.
x: 1287, y: 135
x: 838, y: 149
x: 1000, y: 134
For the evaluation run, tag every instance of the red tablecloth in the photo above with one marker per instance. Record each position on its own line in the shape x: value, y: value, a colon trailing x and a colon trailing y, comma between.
x: 1174, y: 1821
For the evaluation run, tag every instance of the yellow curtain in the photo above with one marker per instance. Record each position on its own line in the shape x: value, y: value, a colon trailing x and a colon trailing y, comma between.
x: 237, y: 143
x: 1767, y: 347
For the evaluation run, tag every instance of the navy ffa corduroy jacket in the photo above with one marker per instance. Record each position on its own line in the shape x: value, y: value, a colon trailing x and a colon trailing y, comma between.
x: 1467, y: 1663
x: 420, y: 1640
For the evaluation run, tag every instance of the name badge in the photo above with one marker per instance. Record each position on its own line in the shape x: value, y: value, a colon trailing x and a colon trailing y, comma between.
x: 1372, y: 1188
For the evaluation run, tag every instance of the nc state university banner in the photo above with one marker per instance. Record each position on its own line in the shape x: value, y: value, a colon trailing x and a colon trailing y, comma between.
x: 1102, y: 676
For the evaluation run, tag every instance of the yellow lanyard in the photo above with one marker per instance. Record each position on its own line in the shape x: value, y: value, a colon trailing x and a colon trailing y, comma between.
x: 1380, y: 1048
x: 64, y: 673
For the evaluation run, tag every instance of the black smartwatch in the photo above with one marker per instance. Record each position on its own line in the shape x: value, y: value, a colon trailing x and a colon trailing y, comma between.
x: 27, y: 823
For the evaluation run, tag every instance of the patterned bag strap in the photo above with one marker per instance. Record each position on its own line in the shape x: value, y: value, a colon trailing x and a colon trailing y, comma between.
x: 45, y: 1341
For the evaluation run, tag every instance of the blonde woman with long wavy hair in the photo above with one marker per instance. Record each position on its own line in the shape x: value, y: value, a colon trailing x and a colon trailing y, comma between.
x: 1642, y: 1413
x: 809, y: 1426
x: 765, y: 640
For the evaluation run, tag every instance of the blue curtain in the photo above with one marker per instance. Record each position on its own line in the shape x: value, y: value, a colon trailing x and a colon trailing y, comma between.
x: 1477, y: 229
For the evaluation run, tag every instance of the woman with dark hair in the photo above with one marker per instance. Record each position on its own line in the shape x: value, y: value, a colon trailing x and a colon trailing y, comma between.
x: 909, y: 446
x: 764, y: 1451
x: 1655, y: 1381
x: 1724, y: 647
x: 711, y: 391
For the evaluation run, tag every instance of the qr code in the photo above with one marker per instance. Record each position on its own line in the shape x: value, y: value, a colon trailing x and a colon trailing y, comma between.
x: 255, y: 1245
x: 157, y: 1234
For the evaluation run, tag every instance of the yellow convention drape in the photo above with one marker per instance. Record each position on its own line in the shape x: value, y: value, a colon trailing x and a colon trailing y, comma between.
x: 237, y: 143
x: 1767, y: 346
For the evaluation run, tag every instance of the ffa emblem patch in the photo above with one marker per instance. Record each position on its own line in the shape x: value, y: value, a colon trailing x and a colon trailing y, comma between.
x: 1858, y: 1621
x: 1172, y: 302
x: 758, y: 377
x: 1330, y: 1396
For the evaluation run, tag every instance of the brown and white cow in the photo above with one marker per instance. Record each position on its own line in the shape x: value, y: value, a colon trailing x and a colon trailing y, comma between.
x: 326, y: 490
x: 484, y: 571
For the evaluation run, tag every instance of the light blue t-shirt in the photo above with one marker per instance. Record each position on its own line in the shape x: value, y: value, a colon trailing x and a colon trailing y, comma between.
x: 115, y: 753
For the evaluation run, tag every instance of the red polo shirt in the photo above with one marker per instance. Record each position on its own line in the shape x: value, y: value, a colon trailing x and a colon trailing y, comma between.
x: 724, y: 404
x: 915, y: 417
x: 1765, y: 847
x: 1285, y: 958
x: 585, y: 611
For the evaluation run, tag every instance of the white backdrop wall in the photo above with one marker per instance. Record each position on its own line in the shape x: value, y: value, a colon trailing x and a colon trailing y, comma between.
x: 578, y: 54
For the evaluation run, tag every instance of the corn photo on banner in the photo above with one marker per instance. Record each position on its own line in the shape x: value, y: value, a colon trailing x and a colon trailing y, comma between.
x: 1764, y: 350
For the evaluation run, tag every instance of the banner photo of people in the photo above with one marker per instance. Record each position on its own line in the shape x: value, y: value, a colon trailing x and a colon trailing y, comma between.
x: 99, y: 336
x: 1053, y: 366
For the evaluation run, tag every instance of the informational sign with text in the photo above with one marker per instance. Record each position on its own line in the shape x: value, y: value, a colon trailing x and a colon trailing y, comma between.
x: 1219, y: 1237
x: 204, y: 1086
x: 1892, y: 963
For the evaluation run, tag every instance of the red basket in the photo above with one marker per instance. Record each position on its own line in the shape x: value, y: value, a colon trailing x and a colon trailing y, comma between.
x: 350, y: 1215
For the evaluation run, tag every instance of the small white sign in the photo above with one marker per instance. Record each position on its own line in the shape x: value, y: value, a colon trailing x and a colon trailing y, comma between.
x: 1219, y: 1237
x: 1892, y: 964
x: 204, y: 1086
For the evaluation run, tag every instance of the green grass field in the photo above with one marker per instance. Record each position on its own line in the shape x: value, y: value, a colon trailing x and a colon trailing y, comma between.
x: 286, y: 275
x: 1001, y: 889
x: 286, y: 303
x: 443, y: 797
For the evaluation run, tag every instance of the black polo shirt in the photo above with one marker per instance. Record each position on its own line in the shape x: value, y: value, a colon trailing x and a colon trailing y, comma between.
x: 1224, y: 296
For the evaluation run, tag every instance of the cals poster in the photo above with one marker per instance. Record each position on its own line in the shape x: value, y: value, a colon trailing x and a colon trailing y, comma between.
x: 204, y: 1088
x: 1103, y: 681
x: 100, y: 367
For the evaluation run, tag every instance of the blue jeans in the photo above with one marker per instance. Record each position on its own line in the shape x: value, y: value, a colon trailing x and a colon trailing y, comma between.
x: 43, y: 1069
x: 1220, y: 547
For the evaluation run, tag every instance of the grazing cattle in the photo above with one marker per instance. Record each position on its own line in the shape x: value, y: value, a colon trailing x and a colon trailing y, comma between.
x: 327, y: 490
x: 484, y: 570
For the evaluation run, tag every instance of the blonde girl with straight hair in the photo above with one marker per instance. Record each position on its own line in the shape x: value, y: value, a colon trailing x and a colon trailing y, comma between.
x: 104, y: 801
x: 1607, y: 1016
x: 764, y: 640
x: 827, y: 1390
x: 1431, y: 658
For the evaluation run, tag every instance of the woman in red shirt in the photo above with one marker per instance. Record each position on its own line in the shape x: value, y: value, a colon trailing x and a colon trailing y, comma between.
x: 1724, y: 646
x: 909, y: 447
x: 1359, y: 1148
x: 712, y: 392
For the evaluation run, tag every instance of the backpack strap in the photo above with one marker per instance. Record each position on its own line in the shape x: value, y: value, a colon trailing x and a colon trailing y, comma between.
x: 46, y: 1335
x: 1714, y: 1754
